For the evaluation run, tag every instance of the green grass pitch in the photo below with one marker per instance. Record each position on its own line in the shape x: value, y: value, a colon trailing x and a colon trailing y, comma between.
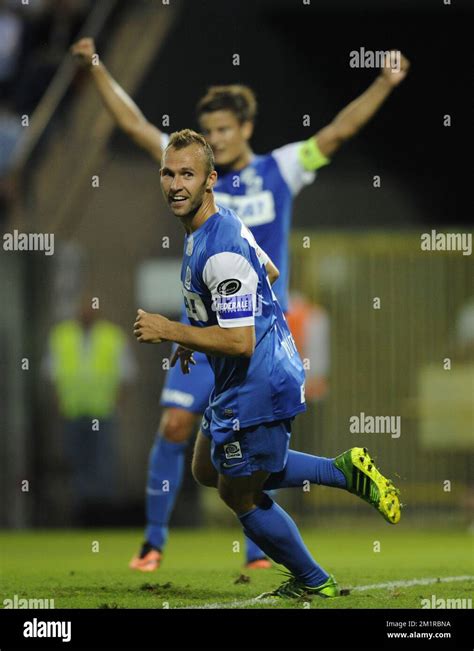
x: 201, y: 568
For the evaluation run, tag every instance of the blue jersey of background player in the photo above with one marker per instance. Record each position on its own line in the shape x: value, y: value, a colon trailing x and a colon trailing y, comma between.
x: 242, y: 448
x: 260, y: 189
x: 262, y: 195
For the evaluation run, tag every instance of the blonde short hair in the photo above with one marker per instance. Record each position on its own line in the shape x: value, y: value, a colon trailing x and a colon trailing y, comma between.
x: 188, y: 137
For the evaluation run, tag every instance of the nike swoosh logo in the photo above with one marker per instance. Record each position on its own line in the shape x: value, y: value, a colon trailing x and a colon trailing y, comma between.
x: 232, y: 465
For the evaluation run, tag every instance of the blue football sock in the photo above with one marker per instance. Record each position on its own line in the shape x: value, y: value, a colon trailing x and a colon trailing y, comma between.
x: 302, y: 467
x: 273, y: 530
x: 253, y: 551
x: 165, y: 474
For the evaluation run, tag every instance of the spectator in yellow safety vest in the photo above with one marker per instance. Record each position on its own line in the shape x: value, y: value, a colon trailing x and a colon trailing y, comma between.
x: 88, y: 363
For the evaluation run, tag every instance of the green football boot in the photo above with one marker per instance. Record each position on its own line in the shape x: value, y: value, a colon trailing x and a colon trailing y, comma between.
x: 295, y: 589
x: 363, y: 479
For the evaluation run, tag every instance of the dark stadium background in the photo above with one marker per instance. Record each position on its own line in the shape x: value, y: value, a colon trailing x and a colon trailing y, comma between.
x: 297, y: 60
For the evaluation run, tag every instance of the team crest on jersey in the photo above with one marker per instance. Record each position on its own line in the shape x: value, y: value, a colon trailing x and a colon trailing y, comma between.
x: 232, y: 450
x: 253, y: 182
x: 229, y: 287
x: 187, y: 279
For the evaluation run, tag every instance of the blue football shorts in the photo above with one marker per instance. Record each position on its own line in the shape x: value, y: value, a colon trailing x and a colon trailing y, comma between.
x: 250, y: 449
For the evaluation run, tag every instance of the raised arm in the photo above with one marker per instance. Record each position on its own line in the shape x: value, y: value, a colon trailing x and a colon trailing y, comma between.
x: 353, y: 117
x: 122, y: 108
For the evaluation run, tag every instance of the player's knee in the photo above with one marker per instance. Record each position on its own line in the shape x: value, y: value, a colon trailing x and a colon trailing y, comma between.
x: 177, y: 425
x: 238, y: 502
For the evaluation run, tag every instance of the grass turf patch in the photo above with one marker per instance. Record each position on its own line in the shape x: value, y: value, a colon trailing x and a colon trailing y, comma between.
x: 201, y: 568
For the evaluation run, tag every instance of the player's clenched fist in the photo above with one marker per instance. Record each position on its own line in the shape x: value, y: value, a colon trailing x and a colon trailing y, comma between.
x: 396, y: 68
x: 150, y: 328
x: 85, y: 51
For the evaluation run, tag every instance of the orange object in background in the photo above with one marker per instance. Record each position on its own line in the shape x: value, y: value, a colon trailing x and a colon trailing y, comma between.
x: 309, y: 324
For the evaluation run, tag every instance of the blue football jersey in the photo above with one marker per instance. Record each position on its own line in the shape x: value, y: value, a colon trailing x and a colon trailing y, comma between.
x: 225, y: 283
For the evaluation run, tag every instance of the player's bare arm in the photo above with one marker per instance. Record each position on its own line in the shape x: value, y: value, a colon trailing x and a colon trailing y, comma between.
x: 121, y: 107
x: 214, y: 340
x: 272, y: 272
x: 185, y: 355
x: 355, y: 115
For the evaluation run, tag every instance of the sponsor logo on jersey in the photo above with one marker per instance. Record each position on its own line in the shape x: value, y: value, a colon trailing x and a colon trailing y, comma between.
x: 253, y: 210
x: 234, y: 307
x: 229, y: 287
x: 232, y: 450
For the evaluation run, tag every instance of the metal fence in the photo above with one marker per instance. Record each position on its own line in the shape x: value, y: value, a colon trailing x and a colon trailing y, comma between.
x: 395, y: 351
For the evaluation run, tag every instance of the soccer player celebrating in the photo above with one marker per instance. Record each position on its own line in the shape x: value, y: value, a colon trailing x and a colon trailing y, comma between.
x: 242, y: 447
x: 261, y: 190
